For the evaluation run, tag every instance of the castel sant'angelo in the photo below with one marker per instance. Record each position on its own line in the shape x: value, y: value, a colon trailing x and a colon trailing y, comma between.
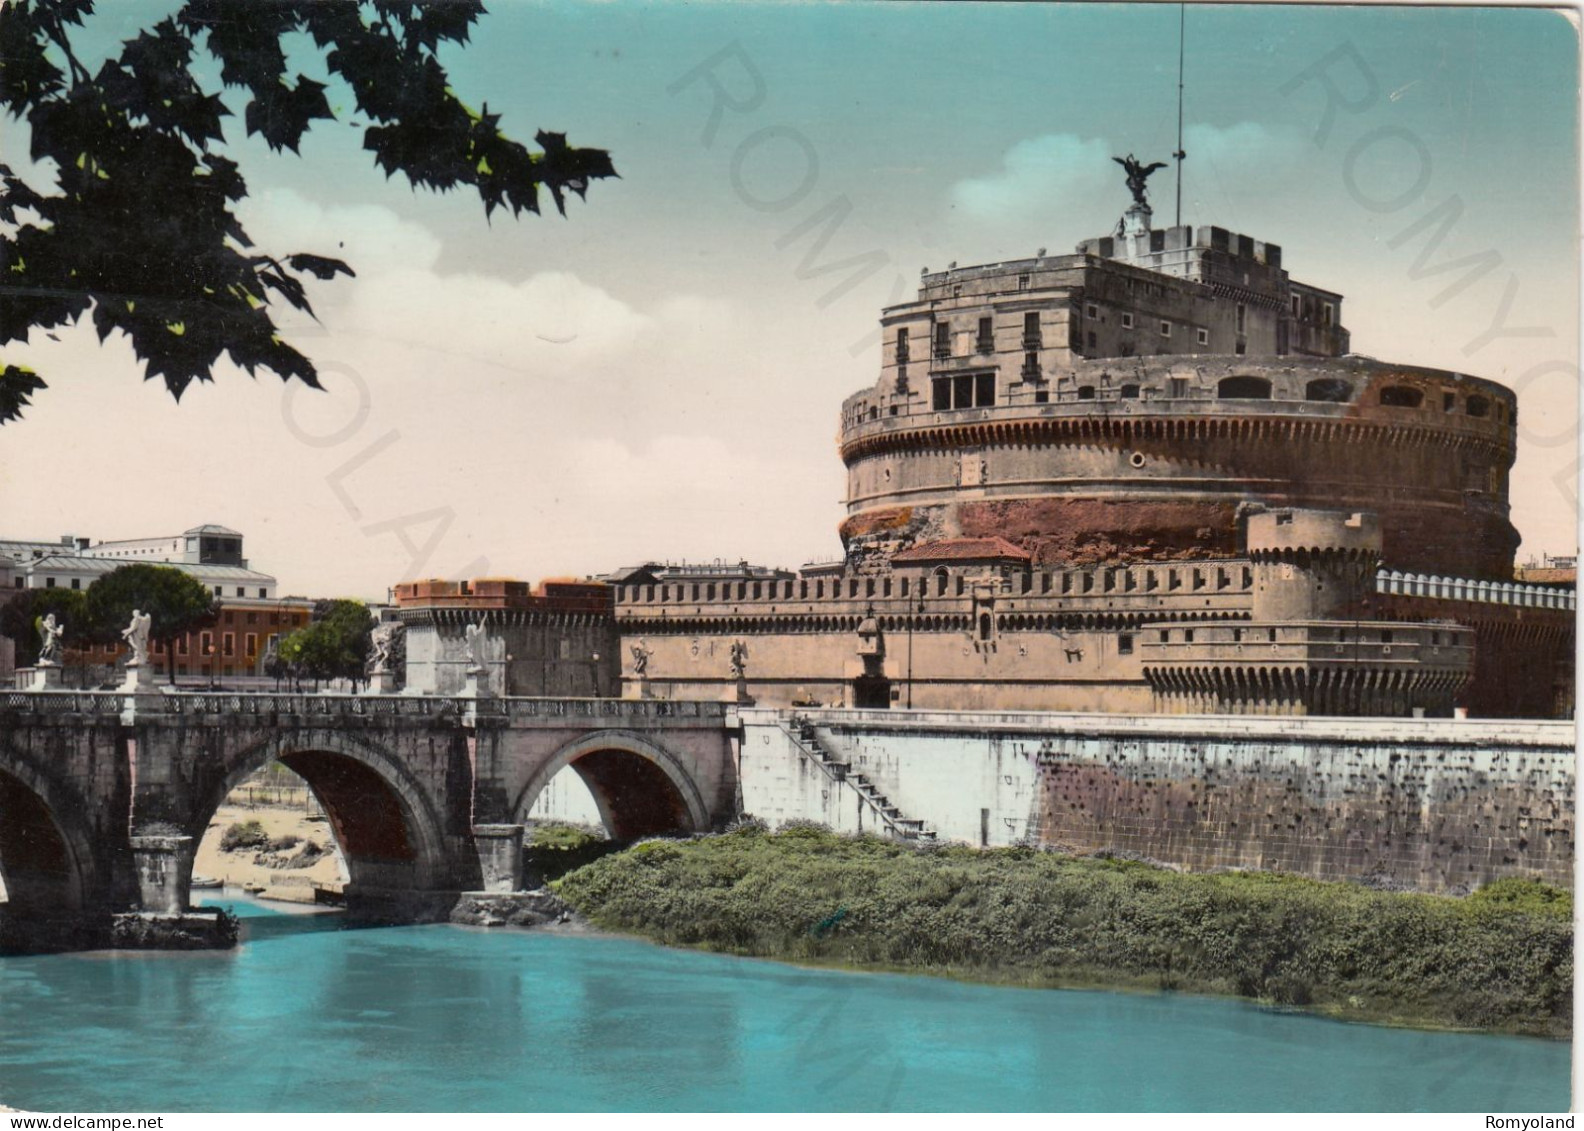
x: 1145, y: 477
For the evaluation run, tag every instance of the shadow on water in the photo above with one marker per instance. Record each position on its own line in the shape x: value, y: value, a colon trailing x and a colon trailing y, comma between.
x: 262, y: 922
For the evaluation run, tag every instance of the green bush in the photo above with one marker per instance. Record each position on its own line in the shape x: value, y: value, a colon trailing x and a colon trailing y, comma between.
x: 247, y: 834
x: 1499, y: 959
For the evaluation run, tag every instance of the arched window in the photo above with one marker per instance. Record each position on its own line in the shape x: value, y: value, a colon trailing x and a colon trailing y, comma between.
x: 1401, y: 396
x: 1478, y: 406
x: 984, y: 626
x: 1244, y: 389
x: 1329, y: 389
x: 1086, y: 392
x: 940, y: 582
x: 1129, y: 392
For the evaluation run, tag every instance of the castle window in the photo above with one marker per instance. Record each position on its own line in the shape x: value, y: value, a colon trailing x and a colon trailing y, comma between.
x: 941, y: 395
x: 76, y: 583
x: 1031, y: 367
x: 1477, y: 406
x: 1041, y: 397
x: 1165, y: 328
x: 984, y: 626
x: 709, y: 591
x: 1401, y: 396
x: 1297, y: 306
x: 1127, y: 321
x: 1242, y: 317
x: 1204, y: 337
x: 1178, y: 386
x: 1086, y: 392
x: 1332, y: 389
x: 1270, y: 634
x: 902, y: 344
x: 1386, y: 636
x: 1188, y: 635
x: 1031, y: 330
x: 1448, y: 401
x: 1129, y: 392
x: 986, y: 342
x: 1237, y: 635
x: 941, y: 578
x: 984, y: 390
x: 1328, y: 314
x: 1090, y: 339
x: 905, y: 587
x: 1244, y: 389
x: 1091, y: 311
x: 1023, y: 282
x: 1165, y: 636
x: 1124, y: 645
x: 942, y: 339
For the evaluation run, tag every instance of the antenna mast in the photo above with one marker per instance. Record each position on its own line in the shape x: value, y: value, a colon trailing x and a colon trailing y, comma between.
x: 1182, y: 25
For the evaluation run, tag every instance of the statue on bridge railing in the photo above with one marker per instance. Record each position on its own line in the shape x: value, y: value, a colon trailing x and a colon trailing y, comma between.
x: 50, y: 635
x: 640, y: 658
x: 477, y: 648
x: 136, y: 635
x: 739, y: 659
x: 383, y: 642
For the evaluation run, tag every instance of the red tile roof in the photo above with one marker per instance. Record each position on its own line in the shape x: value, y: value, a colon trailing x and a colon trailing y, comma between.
x: 963, y: 550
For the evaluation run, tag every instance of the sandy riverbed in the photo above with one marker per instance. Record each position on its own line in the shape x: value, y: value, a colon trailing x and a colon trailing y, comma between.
x: 240, y: 868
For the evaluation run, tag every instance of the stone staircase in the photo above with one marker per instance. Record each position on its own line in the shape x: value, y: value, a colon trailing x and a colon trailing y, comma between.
x: 809, y: 744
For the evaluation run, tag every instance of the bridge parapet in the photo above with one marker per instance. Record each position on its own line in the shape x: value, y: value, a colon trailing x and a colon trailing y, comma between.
x: 312, y: 705
x: 615, y: 709
x: 64, y: 702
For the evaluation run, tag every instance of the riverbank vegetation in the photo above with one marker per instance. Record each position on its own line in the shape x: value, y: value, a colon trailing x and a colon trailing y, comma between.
x: 1499, y: 959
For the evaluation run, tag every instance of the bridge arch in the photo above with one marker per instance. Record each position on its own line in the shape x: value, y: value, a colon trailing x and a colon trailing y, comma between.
x: 640, y: 788
x: 391, y: 836
x: 49, y: 873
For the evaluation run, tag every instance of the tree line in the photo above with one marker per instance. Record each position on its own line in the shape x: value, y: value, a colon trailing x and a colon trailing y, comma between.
x: 334, y: 644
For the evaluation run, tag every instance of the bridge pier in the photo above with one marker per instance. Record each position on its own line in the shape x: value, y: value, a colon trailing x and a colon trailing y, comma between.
x: 164, y: 872
x: 500, y: 854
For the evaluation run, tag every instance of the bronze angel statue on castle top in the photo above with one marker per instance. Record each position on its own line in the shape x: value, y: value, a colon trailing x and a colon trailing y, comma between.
x: 1137, y: 174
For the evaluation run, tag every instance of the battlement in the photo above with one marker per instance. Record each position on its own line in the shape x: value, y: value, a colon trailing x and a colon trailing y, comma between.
x: 1207, y: 238
x: 504, y: 593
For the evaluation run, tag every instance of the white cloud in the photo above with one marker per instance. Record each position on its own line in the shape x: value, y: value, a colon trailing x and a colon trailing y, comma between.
x: 371, y: 238
x: 1039, y: 177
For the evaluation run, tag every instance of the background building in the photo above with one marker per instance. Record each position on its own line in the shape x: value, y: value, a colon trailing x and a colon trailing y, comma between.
x: 249, y: 612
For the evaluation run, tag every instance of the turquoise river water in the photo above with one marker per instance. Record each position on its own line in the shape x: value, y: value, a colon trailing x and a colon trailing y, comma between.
x: 305, y: 1016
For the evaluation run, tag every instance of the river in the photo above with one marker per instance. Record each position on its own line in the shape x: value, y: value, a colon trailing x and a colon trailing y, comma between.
x: 305, y: 1016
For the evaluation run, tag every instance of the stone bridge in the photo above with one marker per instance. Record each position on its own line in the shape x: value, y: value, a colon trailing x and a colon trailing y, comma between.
x: 104, y: 796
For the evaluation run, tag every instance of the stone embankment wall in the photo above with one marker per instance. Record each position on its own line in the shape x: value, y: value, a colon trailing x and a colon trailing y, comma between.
x: 1432, y: 804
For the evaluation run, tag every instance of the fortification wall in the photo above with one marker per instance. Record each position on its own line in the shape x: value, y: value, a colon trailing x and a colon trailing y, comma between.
x: 1438, y: 805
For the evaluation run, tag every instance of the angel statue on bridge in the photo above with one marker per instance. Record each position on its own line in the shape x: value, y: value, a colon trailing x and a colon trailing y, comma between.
x: 739, y: 659
x: 640, y: 658
x: 136, y: 635
x: 477, y: 647
x: 50, y: 635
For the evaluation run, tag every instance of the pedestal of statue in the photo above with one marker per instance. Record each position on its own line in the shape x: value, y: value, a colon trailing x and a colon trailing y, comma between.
x: 382, y: 683
x: 140, y: 678
x: 44, y: 677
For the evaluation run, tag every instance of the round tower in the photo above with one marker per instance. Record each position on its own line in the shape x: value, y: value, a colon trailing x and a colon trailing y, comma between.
x: 1311, y: 564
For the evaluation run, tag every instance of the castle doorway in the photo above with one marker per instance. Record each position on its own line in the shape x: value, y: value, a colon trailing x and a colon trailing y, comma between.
x: 871, y: 693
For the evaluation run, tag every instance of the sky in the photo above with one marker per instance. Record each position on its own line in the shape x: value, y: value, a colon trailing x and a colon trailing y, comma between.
x: 658, y: 375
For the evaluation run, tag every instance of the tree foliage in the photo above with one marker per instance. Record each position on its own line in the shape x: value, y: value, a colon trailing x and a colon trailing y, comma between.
x: 20, y: 617
x: 177, y: 602
x: 141, y: 232
x: 334, y: 645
